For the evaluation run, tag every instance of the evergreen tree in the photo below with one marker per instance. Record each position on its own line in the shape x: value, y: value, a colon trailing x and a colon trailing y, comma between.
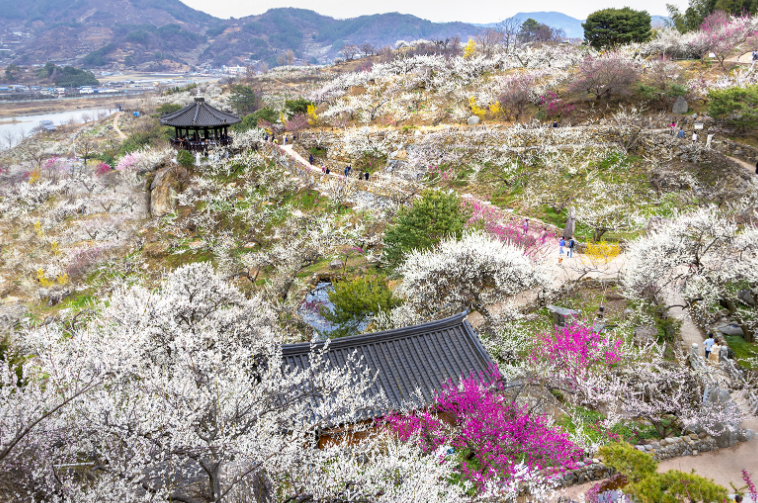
x: 354, y: 300
x: 612, y: 27
x: 243, y: 99
x: 433, y: 217
x: 737, y: 105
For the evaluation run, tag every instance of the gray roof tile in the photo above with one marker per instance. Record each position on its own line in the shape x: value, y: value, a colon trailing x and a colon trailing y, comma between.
x: 423, y: 356
x: 199, y: 114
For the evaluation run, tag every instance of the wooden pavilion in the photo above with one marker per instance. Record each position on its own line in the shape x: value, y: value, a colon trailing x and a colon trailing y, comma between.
x: 199, y: 127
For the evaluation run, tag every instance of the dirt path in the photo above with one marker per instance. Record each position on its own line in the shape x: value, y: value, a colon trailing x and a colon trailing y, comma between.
x: 116, y: 117
x: 744, y: 164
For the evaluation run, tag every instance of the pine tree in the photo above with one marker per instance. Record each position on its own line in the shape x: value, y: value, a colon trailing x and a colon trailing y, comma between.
x: 433, y: 217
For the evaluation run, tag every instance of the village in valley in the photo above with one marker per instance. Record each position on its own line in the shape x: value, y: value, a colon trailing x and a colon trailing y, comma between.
x: 507, y: 266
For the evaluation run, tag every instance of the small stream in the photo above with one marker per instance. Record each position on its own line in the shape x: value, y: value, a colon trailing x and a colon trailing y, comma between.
x: 21, y: 126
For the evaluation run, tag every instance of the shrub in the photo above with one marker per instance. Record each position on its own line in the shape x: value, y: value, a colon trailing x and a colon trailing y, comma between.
x: 185, y: 159
x: 354, y: 300
x: 430, y: 219
x: 168, y: 108
x: 627, y: 460
x: 736, y: 105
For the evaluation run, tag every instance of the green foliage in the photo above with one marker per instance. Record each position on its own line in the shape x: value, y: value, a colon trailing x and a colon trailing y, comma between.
x: 354, y: 300
x: 185, y: 159
x: 97, y: 58
x: 46, y: 70
x: 215, y: 31
x: 298, y: 106
x: 10, y: 355
x: 251, y: 121
x: 168, y: 108
x: 675, y: 487
x: 627, y: 460
x: 243, y: 99
x: 612, y: 27
x: 648, y: 486
x: 177, y: 89
x: 698, y: 10
x: 69, y: 76
x: 655, y: 93
x: 736, y: 105
x: 433, y: 217
x: 144, y: 138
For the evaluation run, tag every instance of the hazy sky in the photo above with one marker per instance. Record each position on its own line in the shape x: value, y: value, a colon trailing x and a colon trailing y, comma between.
x: 471, y: 11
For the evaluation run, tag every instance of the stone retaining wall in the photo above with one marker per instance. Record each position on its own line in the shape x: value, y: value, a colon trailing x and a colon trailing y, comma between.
x: 674, y: 447
x: 589, y: 471
x: 741, y: 151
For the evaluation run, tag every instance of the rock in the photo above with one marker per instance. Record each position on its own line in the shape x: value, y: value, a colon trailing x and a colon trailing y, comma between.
x: 680, y: 106
x: 694, y: 116
x: 746, y: 297
x: 336, y: 264
x: 473, y: 120
x: 11, y: 314
x: 664, y: 442
x: 702, y: 435
x: 561, y: 315
x: 693, y: 436
x: 656, y: 445
x: 162, y: 195
x: 596, y: 461
x: 646, y: 333
x: 730, y: 329
x: 54, y: 295
x: 744, y: 435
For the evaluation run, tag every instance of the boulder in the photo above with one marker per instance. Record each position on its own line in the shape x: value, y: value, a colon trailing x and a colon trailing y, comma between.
x: 336, y: 264
x: 473, y: 120
x: 646, y: 333
x: 744, y: 435
x: 680, y: 106
x: 162, y: 195
x: 54, y: 295
x: 746, y: 297
x: 730, y: 329
x: 562, y: 315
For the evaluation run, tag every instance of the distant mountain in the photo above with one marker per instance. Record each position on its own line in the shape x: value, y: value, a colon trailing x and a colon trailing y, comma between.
x: 167, y: 34
x: 570, y: 25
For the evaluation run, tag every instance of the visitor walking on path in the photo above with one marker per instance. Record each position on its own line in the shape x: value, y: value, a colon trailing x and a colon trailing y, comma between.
x: 347, y: 171
x: 708, y: 345
x: 327, y: 170
x: 561, y: 243
x: 571, y: 245
x: 367, y: 176
x: 526, y: 226
x: 681, y: 133
x: 323, y: 169
x: 756, y: 168
x: 310, y: 159
x: 694, y: 138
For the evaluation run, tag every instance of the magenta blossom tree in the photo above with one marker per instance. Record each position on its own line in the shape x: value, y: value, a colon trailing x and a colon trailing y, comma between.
x: 492, y: 434
x: 576, y: 360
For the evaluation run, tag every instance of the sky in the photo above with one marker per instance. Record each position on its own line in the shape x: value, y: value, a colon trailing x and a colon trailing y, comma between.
x: 469, y: 11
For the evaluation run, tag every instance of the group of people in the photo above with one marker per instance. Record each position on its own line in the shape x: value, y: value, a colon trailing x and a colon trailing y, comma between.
x: 568, y: 245
x: 348, y: 169
x: 681, y: 134
x: 275, y: 141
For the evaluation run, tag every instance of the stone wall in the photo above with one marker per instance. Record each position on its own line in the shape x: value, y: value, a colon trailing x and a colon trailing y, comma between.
x: 738, y: 150
x: 588, y: 471
x: 674, y: 447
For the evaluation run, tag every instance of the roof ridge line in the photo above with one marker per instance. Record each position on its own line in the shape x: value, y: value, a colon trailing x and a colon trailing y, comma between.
x: 396, y: 333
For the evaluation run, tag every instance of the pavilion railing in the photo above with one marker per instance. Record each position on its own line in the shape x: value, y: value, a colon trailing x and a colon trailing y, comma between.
x: 200, y: 146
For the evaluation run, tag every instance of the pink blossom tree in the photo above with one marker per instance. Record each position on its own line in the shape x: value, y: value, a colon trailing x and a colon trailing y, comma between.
x: 606, y: 75
x: 492, y: 434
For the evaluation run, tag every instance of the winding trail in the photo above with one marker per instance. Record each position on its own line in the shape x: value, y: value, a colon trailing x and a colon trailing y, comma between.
x: 744, y: 164
x: 116, y: 118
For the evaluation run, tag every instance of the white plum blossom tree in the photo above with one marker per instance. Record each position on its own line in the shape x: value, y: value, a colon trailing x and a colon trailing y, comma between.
x: 473, y: 273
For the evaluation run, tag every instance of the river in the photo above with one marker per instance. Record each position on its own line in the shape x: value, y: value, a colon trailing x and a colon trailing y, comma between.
x: 13, y: 129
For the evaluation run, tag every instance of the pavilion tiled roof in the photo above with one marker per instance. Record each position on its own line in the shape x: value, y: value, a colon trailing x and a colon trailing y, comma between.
x: 421, y: 357
x: 197, y: 115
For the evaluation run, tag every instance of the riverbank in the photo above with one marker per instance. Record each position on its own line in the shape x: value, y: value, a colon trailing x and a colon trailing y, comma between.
x: 12, y: 109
